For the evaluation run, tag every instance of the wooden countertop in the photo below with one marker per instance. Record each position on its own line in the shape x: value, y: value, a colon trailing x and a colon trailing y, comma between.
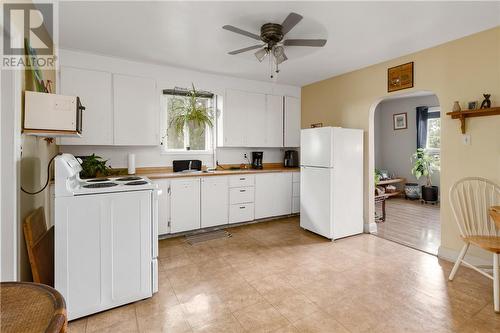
x: 167, y: 172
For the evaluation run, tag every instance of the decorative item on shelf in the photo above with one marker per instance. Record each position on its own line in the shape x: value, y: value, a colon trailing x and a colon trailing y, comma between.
x: 390, y: 189
x: 377, y: 176
x: 92, y: 166
x: 423, y: 165
x: 400, y: 77
x: 472, y: 105
x: 384, y: 174
x: 316, y: 125
x: 456, y: 107
x: 400, y: 121
x: 486, y: 104
x: 412, y: 191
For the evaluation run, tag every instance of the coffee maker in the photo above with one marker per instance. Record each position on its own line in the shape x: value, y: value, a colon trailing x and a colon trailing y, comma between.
x: 257, y: 159
x: 291, y: 159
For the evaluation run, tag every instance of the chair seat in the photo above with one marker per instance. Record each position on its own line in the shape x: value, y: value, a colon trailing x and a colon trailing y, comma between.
x: 488, y: 243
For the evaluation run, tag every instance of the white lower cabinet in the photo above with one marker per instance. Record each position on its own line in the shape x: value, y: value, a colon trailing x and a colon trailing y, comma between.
x: 241, y: 212
x: 295, y: 192
x: 273, y: 193
x: 163, y: 206
x: 184, y: 204
x: 214, y: 201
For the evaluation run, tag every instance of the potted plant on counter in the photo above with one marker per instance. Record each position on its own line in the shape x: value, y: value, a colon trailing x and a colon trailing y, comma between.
x: 423, y: 165
x: 93, y: 166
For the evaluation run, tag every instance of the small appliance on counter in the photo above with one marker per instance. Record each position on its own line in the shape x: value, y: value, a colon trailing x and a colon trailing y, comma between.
x: 291, y: 159
x: 186, y: 165
x: 257, y: 157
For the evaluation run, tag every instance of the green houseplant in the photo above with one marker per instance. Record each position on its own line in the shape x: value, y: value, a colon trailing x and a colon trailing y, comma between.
x: 190, y: 112
x: 93, y: 166
x: 423, y: 166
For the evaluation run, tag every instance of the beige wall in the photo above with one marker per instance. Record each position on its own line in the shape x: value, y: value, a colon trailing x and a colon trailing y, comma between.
x: 461, y: 70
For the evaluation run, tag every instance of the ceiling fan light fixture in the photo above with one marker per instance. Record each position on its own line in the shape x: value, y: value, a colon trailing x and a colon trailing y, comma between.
x: 261, y: 54
x: 279, y: 54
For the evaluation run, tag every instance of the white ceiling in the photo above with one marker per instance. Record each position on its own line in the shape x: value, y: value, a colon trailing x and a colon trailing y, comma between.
x: 190, y: 34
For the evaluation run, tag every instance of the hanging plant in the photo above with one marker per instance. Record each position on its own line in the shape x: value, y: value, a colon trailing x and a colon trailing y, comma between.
x: 189, y: 111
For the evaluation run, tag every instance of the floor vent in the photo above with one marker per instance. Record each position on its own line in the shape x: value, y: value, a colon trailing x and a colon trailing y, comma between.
x: 206, y: 236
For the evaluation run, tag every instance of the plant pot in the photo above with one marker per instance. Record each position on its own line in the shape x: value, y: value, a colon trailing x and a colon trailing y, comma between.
x: 430, y: 193
x: 412, y: 191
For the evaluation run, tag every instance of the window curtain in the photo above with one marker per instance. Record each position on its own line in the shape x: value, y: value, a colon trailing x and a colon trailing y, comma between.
x: 422, y: 116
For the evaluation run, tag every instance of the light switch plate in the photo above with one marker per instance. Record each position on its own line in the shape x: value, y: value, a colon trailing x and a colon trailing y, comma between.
x: 466, y: 139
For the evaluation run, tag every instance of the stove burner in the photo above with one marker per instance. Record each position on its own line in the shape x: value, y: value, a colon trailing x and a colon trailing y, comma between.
x: 139, y: 182
x: 99, y: 185
x: 97, y: 180
x: 126, y: 179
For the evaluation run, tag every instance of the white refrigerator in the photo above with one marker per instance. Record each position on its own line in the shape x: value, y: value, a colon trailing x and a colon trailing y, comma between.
x: 331, y: 181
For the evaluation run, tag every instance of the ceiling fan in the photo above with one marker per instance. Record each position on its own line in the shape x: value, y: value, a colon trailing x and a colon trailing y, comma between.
x: 272, y: 35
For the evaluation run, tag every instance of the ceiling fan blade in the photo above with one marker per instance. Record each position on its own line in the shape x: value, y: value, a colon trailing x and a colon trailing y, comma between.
x: 241, y: 32
x: 305, y: 42
x: 245, y: 49
x: 291, y: 21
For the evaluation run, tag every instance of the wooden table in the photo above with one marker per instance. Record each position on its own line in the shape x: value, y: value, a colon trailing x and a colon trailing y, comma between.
x: 495, y: 215
x: 31, y: 307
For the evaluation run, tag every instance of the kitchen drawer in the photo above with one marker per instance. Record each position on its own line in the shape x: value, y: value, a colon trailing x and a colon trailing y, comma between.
x: 241, y: 213
x: 295, y: 205
x: 239, y: 195
x: 296, y: 177
x: 295, y: 189
x: 241, y: 180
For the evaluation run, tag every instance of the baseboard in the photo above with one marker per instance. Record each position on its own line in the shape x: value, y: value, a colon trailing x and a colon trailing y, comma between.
x: 452, y: 255
x: 369, y: 228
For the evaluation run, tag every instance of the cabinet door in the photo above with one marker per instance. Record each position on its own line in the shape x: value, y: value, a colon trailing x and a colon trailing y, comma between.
x: 136, y: 111
x: 163, y: 206
x: 130, y: 246
x: 184, y: 204
x: 214, y: 201
x: 256, y: 120
x: 274, y: 121
x: 292, y: 122
x: 94, y: 90
x: 234, y: 123
x: 273, y: 194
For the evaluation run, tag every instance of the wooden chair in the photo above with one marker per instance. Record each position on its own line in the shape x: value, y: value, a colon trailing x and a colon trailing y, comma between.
x: 40, y: 246
x: 470, y: 200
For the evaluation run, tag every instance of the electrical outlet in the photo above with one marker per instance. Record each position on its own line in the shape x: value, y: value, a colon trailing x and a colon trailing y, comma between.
x: 466, y: 139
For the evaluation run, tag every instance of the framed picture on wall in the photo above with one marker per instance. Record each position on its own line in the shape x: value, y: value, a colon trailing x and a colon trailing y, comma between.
x: 399, y: 121
x: 400, y: 77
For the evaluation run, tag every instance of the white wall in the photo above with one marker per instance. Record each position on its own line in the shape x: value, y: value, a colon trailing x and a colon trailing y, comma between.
x: 393, y: 148
x: 170, y: 77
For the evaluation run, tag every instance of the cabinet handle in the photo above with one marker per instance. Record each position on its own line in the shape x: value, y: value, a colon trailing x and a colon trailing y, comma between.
x: 242, y: 190
x: 242, y: 207
x: 242, y: 178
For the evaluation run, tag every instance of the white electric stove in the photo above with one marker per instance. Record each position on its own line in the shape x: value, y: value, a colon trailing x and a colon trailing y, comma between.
x: 106, y: 239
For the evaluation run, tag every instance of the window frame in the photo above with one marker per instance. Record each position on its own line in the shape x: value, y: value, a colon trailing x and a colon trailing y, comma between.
x: 433, y: 113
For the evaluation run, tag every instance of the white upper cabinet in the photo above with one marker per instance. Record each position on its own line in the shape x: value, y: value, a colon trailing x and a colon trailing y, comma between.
x: 136, y: 111
x: 292, y: 122
x: 234, y: 122
x: 274, y: 121
x: 252, y: 120
x: 94, y: 90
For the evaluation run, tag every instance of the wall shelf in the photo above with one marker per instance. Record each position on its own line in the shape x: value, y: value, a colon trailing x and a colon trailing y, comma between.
x: 462, y: 115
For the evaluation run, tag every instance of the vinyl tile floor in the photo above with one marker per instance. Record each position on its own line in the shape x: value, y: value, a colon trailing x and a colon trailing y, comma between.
x: 275, y: 277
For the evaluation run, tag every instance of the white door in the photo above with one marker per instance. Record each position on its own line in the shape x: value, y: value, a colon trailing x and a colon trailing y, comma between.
x: 163, y: 206
x: 274, y: 121
x: 214, y: 201
x: 273, y: 194
x: 292, y: 122
x: 184, y: 204
x: 317, y: 147
x: 316, y: 201
x: 256, y: 126
x: 94, y: 90
x: 136, y: 111
x: 130, y: 245
x: 234, y: 123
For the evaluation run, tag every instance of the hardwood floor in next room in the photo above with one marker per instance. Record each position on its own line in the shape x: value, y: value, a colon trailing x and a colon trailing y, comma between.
x: 276, y: 277
x: 412, y: 223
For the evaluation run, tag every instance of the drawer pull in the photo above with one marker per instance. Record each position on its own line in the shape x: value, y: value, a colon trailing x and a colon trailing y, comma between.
x: 242, y: 207
x: 242, y: 190
x: 242, y: 178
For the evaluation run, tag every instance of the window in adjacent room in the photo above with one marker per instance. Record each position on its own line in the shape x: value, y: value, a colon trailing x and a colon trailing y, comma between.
x: 192, y: 136
x: 433, y: 142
